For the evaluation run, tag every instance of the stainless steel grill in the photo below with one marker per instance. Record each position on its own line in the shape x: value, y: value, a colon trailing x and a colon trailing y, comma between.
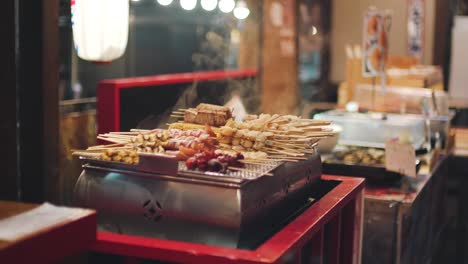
x: 236, y: 209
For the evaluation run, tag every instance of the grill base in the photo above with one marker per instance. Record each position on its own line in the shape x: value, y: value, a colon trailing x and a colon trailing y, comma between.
x: 230, y: 214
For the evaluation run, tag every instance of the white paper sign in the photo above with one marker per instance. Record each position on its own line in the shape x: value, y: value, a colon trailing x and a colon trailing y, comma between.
x: 400, y: 157
x: 416, y: 23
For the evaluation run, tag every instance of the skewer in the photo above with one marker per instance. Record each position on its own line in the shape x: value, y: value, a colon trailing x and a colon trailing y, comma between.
x: 88, y: 150
x: 289, y: 136
x: 287, y: 157
x: 178, y: 113
x: 111, y: 140
x: 177, y: 116
x: 274, y: 160
x: 86, y: 154
x: 106, y: 146
x: 315, y: 121
x: 124, y: 133
x: 116, y: 136
x: 284, y: 152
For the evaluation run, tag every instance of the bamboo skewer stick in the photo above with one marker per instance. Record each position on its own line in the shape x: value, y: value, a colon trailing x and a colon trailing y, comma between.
x: 124, y: 133
x: 111, y: 140
x: 284, y: 152
x: 116, y: 136
x: 86, y: 154
x: 107, y: 146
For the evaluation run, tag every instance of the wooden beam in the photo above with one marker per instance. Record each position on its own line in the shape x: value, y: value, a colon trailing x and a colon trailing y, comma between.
x: 50, y: 94
x: 279, y: 69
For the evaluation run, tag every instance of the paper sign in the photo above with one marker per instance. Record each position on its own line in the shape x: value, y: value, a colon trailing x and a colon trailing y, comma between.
x: 400, y: 157
x: 416, y: 19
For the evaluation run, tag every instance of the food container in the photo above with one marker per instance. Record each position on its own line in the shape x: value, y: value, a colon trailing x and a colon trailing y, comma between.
x: 374, y: 129
x: 328, y: 144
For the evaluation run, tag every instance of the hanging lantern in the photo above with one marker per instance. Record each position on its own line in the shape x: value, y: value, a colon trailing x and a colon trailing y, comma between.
x: 100, y: 28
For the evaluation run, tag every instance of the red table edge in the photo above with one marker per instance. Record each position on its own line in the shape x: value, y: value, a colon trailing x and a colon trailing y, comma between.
x: 292, y: 236
x: 69, y: 237
x: 108, y: 91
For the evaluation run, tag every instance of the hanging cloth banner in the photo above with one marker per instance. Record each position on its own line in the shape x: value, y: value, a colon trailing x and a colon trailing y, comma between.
x: 416, y: 23
x: 375, y: 42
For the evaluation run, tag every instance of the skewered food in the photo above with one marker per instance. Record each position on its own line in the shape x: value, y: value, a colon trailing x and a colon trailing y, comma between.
x: 214, y: 161
x: 125, y: 156
x: 356, y: 155
x: 274, y: 134
x: 208, y: 114
x: 188, y: 126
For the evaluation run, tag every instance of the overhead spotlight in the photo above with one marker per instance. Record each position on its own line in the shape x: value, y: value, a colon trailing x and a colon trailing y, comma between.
x: 241, y: 11
x: 188, y: 4
x: 209, y: 5
x: 135, y: 0
x: 165, y: 2
x: 226, y: 6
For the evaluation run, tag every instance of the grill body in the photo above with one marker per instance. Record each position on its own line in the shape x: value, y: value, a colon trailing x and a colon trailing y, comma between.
x: 222, y: 211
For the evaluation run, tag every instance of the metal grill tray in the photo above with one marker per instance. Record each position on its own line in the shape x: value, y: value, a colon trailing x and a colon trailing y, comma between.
x: 169, y: 165
x: 254, y: 171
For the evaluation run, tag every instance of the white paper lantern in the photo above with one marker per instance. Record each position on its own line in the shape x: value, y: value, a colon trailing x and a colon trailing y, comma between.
x: 100, y: 28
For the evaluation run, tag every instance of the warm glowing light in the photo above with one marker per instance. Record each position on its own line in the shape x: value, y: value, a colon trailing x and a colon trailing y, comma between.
x: 165, y: 2
x: 314, y: 31
x: 241, y: 11
x: 209, y: 5
x: 226, y: 6
x: 188, y: 4
x: 100, y: 28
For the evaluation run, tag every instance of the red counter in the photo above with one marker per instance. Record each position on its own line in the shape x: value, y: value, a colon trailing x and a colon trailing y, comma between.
x: 50, y: 244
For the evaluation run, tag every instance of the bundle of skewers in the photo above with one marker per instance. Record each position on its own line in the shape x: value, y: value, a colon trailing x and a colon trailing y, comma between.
x: 209, y: 140
x: 277, y: 135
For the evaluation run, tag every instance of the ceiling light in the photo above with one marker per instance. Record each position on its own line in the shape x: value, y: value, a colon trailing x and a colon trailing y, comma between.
x: 165, y: 2
x: 188, y: 4
x: 226, y: 6
x: 241, y: 11
x: 209, y: 5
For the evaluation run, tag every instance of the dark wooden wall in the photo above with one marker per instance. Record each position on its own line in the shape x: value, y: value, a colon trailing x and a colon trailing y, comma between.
x: 29, y: 101
x: 8, y: 131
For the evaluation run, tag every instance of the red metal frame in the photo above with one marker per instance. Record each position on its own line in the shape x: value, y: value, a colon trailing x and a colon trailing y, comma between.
x: 340, y: 210
x: 108, y: 91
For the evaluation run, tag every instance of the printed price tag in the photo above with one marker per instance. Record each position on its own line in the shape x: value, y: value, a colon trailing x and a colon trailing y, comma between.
x: 400, y: 157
